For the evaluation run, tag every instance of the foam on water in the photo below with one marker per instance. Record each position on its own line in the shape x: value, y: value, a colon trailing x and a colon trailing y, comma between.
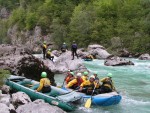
x: 133, y: 83
x: 130, y: 101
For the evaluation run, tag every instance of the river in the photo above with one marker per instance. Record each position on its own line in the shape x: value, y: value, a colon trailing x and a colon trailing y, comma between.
x: 133, y: 83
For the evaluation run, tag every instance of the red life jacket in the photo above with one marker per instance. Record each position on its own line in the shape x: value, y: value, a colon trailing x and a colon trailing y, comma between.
x: 79, y: 82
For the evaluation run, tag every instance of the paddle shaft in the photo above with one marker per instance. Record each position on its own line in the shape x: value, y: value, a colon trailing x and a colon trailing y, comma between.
x: 93, y: 90
x: 89, y: 101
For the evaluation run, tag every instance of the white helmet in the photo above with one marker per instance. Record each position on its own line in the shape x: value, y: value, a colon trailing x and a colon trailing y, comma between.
x: 79, y: 74
x: 92, y: 76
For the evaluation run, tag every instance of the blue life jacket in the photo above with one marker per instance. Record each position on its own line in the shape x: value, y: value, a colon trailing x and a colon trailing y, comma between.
x: 74, y: 46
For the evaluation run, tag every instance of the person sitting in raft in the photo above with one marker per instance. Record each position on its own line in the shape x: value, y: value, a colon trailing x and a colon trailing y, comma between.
x: 97, y: 81
x: 107, y: 84
x: 89, y: 57
x: 48, y: 55
x: 70, y: 76
x: 44, y: 84
x: 95, y: 75
x: 85, y: 76
x: 88, y: 86
x: 76, y: 82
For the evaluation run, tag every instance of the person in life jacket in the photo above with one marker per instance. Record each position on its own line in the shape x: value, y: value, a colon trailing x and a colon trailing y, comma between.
x: 85, y: 76
x: 44, y: 47
x: 48, y: 55
x: 107, y: 84
x: 64, y: 47
x: 74, y: 50
x: 76, y: 82
x: 89, y: 57
x: 44, y: 84
x: 88, y: 86
x: 96, y: 78
x: 69, y: 77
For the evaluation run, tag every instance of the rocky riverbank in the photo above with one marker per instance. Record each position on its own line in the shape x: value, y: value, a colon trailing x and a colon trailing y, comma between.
x: 21, y: 103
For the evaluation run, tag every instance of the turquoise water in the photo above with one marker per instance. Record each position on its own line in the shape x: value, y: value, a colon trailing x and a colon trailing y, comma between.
x: 133, y: 83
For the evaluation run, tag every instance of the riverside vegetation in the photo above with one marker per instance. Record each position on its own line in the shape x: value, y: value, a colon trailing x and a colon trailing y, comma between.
x: 88, y: 21
x: 3, y: 74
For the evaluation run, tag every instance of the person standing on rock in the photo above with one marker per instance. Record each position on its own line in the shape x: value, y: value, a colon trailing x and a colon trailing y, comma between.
x: 64, y: 47
x: 44, y: 84
x: 44, y: 46
x: 74, y: 50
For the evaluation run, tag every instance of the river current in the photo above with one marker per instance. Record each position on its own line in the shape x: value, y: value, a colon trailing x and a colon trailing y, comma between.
x: 133, y: 83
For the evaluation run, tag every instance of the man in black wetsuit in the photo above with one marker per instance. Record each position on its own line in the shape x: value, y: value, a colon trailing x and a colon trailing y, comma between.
x: 74, y: 50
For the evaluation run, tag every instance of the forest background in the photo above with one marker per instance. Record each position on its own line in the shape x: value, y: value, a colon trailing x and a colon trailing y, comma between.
x: 111, y: 23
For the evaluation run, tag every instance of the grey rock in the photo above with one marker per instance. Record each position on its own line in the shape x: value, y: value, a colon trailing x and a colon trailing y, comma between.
x: 124, y: 53
x: 98, y: 51
x: 20, y: 98
x: 5, y: 89
x: 65, y: 63
x: 5, y: 99
x: 56, y: 53
x: 38, y: 106
x: 117, y: 61
x: 4, y: 108
x: 22, y: 63
x: 144, y: 57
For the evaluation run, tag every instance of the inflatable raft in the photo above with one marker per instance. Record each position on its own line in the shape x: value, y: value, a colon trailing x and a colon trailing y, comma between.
x: 55, y: 97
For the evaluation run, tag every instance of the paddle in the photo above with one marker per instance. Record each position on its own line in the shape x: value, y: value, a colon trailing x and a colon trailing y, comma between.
x: 89, y: 101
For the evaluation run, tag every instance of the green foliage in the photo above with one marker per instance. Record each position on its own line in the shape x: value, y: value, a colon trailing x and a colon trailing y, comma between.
x: 81, y: 25
x: 59, y: 31
x: 31, y: 20
x: 3, y: 31
x: 18, y: 17
x: 9, y: 4
x: 3, y: 75
x: 86, y: 21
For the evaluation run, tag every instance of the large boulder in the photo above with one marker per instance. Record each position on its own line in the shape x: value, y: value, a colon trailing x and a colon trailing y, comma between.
x: 98, y: 51
x: 56, y: 53
x: 38, y: 106
x: 117, y: 61
x: 31, y: 67
x: 82, y: 53
x: 9, y: 50
x: 145, y: 57
x: 4, y: 108
x: 65, y: 63
x: 20, y: 98
x: 124, y: 53
x: 19, y: 62
x: 5, y: 104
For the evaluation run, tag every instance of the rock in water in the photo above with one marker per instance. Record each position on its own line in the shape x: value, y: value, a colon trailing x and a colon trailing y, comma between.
x: 117, y: 61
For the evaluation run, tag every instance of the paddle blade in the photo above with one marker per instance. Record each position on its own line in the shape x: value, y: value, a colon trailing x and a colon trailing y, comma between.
x: 88, y: 103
